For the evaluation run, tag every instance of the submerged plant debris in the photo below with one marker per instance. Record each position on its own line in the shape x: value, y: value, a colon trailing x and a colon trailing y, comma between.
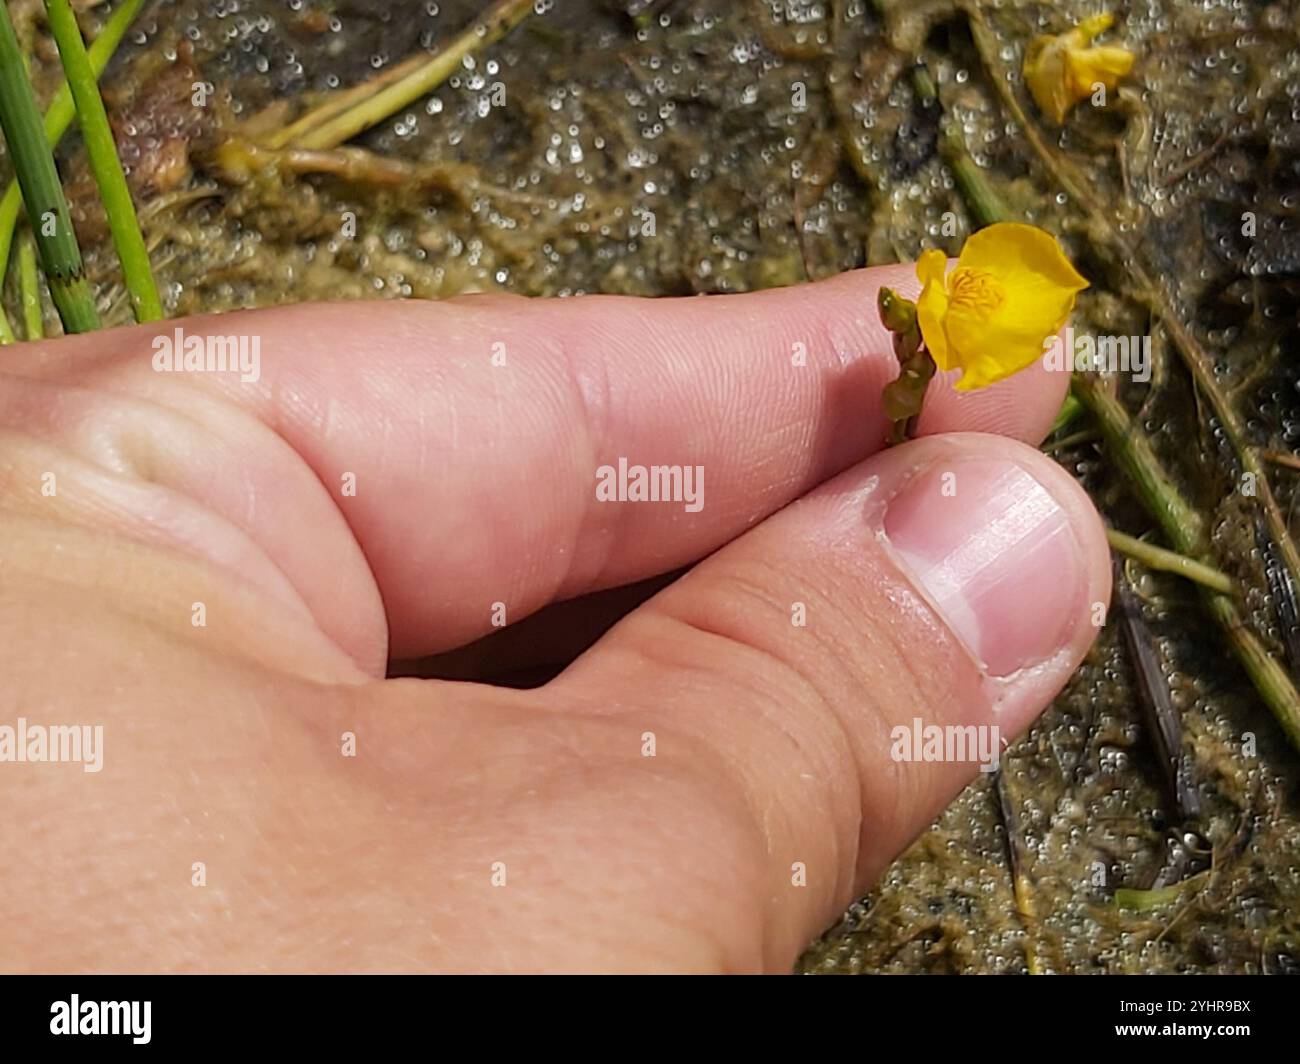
x: 687, y: 146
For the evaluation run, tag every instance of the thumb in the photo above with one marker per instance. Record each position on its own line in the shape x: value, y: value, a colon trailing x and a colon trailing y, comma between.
x: 945, y: 590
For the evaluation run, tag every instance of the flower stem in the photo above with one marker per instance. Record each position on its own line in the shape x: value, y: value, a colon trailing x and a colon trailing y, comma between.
x: 338, y: 102
x: 104, y: 163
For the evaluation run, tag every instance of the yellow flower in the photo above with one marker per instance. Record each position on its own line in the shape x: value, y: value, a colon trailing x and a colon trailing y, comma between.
x: 1061, y: 71
x: 1012, y: 288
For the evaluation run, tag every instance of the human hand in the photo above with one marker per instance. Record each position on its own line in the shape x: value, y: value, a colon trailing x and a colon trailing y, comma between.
x: 468, y: 827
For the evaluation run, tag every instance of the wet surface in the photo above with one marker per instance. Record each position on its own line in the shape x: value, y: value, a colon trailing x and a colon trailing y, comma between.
x: 725, y: 146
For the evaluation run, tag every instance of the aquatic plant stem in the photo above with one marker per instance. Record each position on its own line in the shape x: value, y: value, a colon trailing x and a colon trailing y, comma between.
x: 1022, y: 887
x: 1129, y: 258
x: 104, y: 163
x: 29, y: 289
x: 1185, y: 529
x: 47, y: 210
x: 1167, y: 561
x: 339, y: 101
x: 502, y: 17
x: 983, y: 202
x: 60, y: 114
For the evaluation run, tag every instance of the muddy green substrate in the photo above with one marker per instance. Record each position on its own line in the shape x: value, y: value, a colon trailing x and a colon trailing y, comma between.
x: 690, y: 114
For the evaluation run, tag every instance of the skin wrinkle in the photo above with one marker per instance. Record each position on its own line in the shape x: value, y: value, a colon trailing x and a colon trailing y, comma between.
x: 706, y: 743
x: 892, y: 649
x: 175, y: 399
x: 750, y: 644
x: 586, y: 368
x: 853, y: 782
x: 842, y: 770
x: 136, y: 564
x: 138, y: 510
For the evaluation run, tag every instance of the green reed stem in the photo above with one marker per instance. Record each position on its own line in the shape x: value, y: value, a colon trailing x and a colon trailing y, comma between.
x: 60, y: 114
x: 491, y: 26
x: 6, y: 330
x: 47, y: 210
x: 29, y: 289
x: 1167, y: 561
x: 104, y: 163
x: 1185, y: 529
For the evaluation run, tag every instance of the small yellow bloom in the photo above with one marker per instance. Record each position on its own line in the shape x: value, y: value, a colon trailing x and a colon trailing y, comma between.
x: 1012, y: 288
x: 1061, y: 71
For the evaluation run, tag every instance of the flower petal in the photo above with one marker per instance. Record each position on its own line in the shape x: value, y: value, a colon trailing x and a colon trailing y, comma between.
x: 931, y: 266
x: 932, y: 305
x: 1045, y: 74
x: 1097, y: 65
x: 1094, y: 26
x: 1063, y: 70
x: 1015, y: 253
x: 1038, y: 286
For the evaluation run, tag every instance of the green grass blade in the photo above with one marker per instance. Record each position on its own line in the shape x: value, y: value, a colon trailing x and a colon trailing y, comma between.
x: 104, y: 163
x: 29, y: 289
x: 47, y: 210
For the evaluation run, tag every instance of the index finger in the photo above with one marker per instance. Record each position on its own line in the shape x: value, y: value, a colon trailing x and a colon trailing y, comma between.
x: 476, y: 431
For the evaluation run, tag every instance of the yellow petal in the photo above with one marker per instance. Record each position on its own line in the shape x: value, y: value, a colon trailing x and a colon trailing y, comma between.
x: 1045, y: 74
x: 1097, y: 65
x: 1094, y: 26
x: 1035, y: 287
x: 932, y: 304
x: 1000, y: 344
x: 1014, y: 252
x: 931, y: 266
x: 979, y: 374
x: 1060, y: 71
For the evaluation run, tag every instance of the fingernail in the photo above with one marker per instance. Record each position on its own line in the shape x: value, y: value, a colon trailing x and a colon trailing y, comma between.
x: 993, y: 551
